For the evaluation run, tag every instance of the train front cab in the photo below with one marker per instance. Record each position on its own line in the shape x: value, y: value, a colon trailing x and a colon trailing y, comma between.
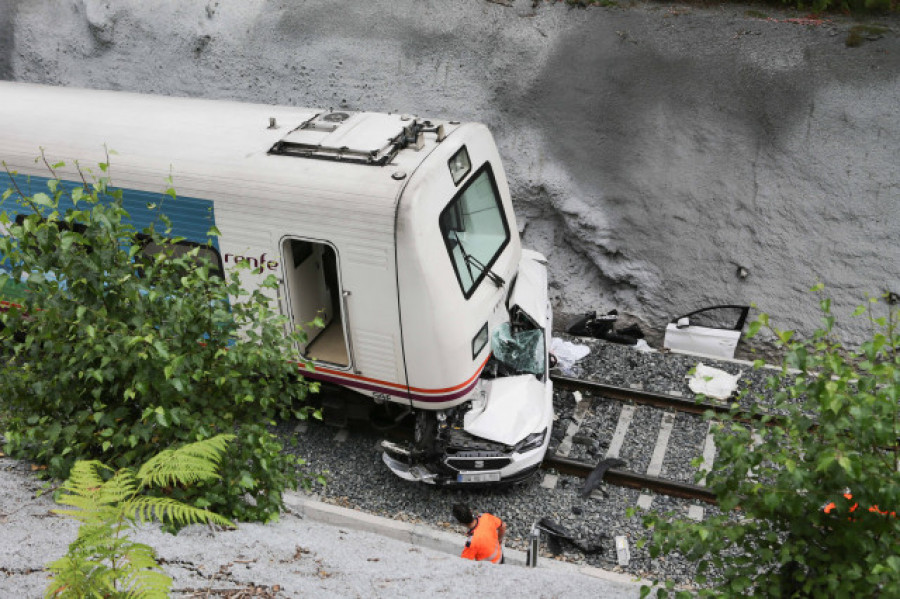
x: 475, y: 321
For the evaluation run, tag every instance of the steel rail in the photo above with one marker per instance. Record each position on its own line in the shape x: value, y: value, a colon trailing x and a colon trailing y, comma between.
x: 649, y: 398
x: 632, y: 480
x: 661, y: 400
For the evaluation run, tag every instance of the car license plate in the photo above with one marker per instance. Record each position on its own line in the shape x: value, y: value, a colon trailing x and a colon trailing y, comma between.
x: 478, y: 477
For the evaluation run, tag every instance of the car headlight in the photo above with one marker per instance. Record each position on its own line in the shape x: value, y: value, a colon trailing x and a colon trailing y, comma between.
x: 532, y: 441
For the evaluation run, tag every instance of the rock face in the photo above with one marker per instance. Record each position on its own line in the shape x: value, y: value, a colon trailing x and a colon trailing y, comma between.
x: 653, y: 151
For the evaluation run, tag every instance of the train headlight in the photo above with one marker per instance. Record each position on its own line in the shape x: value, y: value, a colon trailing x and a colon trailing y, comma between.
x: 532, y: 441
x: 460, y: 165
x: 479, y: 341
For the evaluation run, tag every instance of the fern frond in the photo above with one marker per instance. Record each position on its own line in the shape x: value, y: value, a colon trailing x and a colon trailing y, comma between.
x: 165, y: 509
x: 120, y: 487
x: 186, y: 465
x: 85, y: 476
x: 102, y: 562
x: 94, y: 499
x: 70, y: 577
x: 88, y: 511
x: 150, y: 585
x: 95, y: 538
x: 76, y: 576
x: 141, y: 576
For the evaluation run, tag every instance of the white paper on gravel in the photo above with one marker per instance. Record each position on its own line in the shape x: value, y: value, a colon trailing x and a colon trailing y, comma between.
x: 642, y: 346
x: 713, y: 382
x: 567, y: 353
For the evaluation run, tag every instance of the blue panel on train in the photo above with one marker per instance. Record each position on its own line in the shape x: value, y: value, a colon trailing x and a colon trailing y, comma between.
x: 191, y: 218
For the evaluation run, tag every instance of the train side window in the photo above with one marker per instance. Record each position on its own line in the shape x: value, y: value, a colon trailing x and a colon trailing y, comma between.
x: 15, y: 290
x: 60, y: 224
x: 179, y: 248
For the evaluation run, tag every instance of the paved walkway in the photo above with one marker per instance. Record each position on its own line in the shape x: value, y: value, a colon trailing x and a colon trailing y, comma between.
x: 316, y: 549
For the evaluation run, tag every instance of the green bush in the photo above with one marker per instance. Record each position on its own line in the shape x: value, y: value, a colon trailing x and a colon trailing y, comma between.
x: 103, y: 561
x: 112, y: 353
x: 836, y: 434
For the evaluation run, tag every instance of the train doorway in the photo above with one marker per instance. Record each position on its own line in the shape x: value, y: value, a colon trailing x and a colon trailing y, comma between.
x: 313, y: 289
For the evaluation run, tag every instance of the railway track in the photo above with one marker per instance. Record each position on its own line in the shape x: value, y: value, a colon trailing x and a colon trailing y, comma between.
x: 631, y: 480
x: 649, y: 479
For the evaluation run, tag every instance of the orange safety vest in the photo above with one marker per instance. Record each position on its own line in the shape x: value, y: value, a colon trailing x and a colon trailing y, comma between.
x: 483, y: 542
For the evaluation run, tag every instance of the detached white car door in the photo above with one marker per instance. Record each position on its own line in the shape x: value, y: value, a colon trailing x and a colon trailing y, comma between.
x: 713, y: 331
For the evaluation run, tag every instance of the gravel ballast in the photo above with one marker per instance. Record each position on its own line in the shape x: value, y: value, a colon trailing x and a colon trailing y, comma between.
x: 300, y: 556
x: 358, y: 479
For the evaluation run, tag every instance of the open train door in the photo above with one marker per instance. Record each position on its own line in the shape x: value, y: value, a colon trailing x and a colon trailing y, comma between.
x: 312, y: 278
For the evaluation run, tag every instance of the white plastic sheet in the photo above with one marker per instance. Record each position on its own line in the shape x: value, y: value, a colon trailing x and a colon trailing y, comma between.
x: 567, y: 353
x: 713, y: 382
x: 643, y: 346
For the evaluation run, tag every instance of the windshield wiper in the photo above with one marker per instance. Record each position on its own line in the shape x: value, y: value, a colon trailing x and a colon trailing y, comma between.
x: 472, y: 260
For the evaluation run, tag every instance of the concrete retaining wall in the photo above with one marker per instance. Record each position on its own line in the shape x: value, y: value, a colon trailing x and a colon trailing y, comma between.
x: 653, y: 150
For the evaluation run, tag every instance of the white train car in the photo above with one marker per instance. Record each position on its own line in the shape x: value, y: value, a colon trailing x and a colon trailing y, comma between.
x: 399, y: 231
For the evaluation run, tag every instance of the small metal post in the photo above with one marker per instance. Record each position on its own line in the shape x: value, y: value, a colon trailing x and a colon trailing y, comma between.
x: 534, y: 546
x: 623, y: 553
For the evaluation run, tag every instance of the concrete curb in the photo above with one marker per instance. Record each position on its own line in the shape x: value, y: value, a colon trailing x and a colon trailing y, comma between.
x: 421, y: 535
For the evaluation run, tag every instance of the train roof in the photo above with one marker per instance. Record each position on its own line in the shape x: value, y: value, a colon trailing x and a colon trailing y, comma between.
x: 336, y: 151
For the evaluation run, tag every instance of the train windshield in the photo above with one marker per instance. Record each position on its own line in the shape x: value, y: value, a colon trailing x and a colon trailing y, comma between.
x: 475, y: 230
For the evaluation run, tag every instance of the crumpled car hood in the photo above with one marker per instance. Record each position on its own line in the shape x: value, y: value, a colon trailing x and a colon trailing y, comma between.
x: 514, y: 409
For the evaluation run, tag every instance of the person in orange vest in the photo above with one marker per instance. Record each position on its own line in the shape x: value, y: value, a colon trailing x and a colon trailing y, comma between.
x: 484, y: 534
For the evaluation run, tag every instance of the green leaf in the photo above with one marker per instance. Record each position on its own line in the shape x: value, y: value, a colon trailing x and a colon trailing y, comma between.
x: 784, y: 336
x: 753, y: 329
x: 120, y: 370
x: 42, y: 199
x: 844, y: 462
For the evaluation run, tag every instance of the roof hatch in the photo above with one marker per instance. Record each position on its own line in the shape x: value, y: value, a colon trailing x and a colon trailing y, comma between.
x: 358, y: 137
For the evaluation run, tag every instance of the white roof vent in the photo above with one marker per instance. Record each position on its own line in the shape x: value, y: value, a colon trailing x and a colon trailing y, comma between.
x: 359, y: 137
